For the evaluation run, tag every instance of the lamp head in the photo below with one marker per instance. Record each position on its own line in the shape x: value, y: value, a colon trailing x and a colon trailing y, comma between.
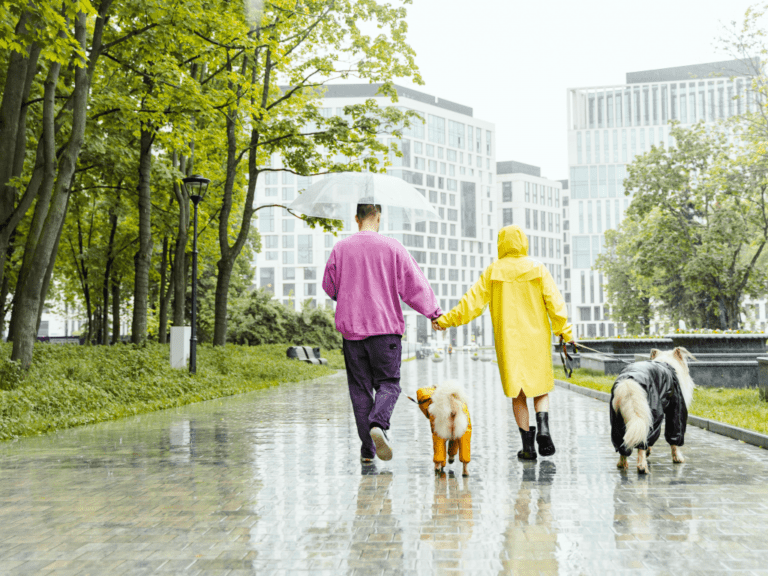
x: 196, y: 187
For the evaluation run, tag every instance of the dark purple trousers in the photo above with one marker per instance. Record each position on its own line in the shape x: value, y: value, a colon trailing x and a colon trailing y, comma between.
x: 373, y: 375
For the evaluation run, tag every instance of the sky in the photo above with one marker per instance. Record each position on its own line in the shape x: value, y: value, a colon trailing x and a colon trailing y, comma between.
x: 513, y: 61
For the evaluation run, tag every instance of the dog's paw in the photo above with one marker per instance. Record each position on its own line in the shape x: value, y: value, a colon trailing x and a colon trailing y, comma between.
x: 623, y: 463
x: 642, y: 468
x: 450, y: 460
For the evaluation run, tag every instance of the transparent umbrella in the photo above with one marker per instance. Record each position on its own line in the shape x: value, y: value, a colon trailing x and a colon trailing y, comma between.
x: 337, y: 196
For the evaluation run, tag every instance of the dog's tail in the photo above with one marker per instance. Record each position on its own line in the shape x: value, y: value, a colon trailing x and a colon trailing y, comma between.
x: 458, y: 418
x: 630, y: 400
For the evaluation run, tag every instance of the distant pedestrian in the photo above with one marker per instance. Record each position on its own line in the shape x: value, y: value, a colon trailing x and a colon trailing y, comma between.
x: 524, y: 301
x: 367, y: 275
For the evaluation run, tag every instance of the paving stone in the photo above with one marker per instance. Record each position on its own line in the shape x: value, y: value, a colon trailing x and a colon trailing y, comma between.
x: 270, y: 483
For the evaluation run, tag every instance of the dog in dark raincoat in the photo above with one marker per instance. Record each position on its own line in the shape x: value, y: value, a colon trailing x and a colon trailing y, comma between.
x: 644, y: 394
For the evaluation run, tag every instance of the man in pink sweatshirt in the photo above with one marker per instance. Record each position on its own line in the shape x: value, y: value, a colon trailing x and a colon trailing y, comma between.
x: 367, y: 275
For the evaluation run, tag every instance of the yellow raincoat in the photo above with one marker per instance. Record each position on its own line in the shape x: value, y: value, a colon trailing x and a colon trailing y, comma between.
x: 524, y: 300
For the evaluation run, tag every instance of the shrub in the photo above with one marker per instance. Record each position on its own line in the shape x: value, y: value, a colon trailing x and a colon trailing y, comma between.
x: 257, y: 319
x: 72, y: 385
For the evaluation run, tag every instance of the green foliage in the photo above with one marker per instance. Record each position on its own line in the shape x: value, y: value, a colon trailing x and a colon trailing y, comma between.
x: 694, y: 231
x: 73, y: 385
x: 256, y: 319
x: 627, y: 291
x: 737, y: 407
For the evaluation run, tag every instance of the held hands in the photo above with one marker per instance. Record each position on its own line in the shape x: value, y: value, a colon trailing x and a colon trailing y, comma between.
x: 436, y: 326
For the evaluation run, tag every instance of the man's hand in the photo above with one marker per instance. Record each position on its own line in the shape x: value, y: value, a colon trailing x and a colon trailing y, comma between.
x: 436, y: 326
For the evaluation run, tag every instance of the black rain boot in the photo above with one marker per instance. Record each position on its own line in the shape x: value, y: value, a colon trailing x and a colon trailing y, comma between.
x: 546, y: 446
x: 529, y: 449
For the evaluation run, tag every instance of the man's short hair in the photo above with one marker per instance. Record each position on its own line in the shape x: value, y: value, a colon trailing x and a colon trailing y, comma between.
x: 366, y: 210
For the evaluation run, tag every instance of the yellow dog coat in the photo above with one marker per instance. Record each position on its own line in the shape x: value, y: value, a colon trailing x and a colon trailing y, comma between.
x: 424, y: 397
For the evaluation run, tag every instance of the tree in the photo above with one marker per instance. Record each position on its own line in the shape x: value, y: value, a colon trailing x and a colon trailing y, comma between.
x: 300, y: 46
x: 703, y: 223
x: 627, y: 292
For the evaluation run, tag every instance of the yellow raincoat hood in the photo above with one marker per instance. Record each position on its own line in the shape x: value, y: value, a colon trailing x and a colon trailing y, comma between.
x: 526, y: 308
x: 513, y: 263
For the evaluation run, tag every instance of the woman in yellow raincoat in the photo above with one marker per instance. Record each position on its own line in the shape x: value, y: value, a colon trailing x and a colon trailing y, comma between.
x: 524, y: 301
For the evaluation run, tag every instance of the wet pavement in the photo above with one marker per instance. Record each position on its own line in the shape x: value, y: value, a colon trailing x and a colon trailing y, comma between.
x: 270, y: 483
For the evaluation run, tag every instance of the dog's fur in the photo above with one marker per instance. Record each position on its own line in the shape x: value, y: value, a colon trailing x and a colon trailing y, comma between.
x: 631, y: 401
x: 447, y: 410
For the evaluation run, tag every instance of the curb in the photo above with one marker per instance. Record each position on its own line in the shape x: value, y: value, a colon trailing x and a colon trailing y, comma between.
x: 746, y: 436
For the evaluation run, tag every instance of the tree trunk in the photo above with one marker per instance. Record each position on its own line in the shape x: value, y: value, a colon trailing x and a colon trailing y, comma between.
x: 29, y: 294
x: 13, y: 141
x: 107, y: 274
x: 49, y: 272
x: 222, y: 295
x: 179, y: 268
x: 143, y: 258
x: 47, y: 150
x: 3, y: 300
x: 162, y: 333
x: 115, y: 309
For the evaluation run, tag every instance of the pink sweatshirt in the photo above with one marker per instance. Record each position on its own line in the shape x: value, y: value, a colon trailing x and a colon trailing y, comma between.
x: 367, y: 275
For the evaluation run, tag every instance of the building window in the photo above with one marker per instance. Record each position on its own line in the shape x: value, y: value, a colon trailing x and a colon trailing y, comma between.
x: 305, y: 249
x: 585, y: 313
x: 581, y: 255
x: 436, y: 129
x: 289, y: 290
x: 310, y: 290
x: 456, y: 134
x: 506, y: 191
x: 527, y: 218
x: 527, y: 191
x: 578, y: 148
x: 267, y: 220
x: 267, y: 280
x: 507, y: 216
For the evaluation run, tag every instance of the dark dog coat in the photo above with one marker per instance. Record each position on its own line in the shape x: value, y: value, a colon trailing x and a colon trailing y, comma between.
x: 665, y: 399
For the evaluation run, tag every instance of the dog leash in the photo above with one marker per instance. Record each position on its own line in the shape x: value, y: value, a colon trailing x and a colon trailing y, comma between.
x: 565, y: 358
x: 603, y: 353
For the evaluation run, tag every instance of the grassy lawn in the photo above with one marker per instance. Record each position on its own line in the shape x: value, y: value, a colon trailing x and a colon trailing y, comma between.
x: 72, y: 385
x: 737, y: 407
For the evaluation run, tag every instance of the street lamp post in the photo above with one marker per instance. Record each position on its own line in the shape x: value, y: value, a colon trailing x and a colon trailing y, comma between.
x: 196, y: 187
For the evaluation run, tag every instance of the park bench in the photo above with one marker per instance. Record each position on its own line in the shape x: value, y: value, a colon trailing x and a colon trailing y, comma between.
x: 306, y: 354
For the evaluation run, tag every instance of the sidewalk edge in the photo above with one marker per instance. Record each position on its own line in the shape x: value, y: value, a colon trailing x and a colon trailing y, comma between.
x: 742, y: 434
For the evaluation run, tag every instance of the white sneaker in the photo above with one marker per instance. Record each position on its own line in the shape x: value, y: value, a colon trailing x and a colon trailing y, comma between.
x: 383, y: 447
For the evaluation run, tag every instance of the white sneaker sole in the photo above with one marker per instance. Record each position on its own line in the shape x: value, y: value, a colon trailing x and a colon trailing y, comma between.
x: 383, y: 450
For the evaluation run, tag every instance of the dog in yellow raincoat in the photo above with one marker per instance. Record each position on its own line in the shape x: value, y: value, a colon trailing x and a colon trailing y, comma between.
x: 526, y: 308
x: 448, y: 413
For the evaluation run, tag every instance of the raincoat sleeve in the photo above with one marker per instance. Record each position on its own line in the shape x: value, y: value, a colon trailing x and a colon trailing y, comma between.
x: 413, y: 288
x: 471, y: 305
x: 556, y: 310
x: 329, y: 277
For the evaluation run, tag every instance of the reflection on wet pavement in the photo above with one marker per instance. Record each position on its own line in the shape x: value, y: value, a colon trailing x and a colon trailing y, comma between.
x: 271, y: 482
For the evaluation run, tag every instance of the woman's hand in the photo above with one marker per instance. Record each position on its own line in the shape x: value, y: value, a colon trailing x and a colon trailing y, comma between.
x: 436, y: 326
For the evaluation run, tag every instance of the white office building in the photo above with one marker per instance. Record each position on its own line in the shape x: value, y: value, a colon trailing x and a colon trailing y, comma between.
x: 450, y: 160
x: 534, y: 203
x: 607, y: 127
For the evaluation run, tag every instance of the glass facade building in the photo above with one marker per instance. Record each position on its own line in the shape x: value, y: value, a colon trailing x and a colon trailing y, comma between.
x: 607, y: 127
x: 450, y: 160
x: 534, y: 203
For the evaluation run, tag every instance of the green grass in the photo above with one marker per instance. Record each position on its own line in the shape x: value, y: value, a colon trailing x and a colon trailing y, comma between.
x: 737, y: 407
x: 73, y: 385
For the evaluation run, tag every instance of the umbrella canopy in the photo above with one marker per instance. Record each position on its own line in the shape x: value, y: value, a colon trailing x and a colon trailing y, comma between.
x: 337, y: 196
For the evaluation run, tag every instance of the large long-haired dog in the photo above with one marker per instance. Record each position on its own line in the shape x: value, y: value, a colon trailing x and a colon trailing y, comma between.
x: 646, y: 393
x: 448, y: 413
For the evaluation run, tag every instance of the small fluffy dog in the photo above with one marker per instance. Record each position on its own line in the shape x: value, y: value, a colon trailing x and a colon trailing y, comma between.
x: 448, y: 413
x: 644, y: 394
